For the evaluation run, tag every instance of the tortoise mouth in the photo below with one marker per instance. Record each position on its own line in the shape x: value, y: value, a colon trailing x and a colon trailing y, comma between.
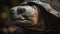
x: 22, y: 21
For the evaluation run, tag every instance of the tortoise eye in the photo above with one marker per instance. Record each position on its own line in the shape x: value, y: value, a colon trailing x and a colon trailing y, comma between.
x: 20, y: 10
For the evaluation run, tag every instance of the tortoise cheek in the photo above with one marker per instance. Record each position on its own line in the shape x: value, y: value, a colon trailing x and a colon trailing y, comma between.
x: 35, y: 18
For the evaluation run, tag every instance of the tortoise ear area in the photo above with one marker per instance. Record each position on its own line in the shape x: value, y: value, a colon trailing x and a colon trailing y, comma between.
x: 35, y: 19
x: 34, y: 7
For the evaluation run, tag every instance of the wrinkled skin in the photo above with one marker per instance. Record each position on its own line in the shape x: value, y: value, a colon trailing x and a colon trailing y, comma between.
x: 26, y: 15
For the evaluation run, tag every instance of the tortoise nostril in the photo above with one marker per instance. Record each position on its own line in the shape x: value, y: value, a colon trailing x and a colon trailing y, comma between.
x: 20, y: 10
x: 12, y: 10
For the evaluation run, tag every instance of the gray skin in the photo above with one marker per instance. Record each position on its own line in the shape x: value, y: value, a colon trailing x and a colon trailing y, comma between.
x: 26, y: 17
